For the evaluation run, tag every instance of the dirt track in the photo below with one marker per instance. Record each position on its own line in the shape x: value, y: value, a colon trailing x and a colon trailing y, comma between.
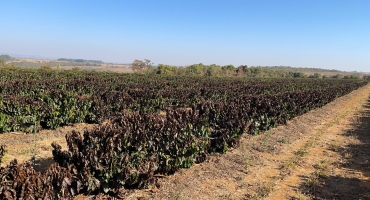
x: 323, y: 154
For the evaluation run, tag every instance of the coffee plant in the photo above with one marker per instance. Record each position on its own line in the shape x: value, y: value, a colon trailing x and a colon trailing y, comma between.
x: 148, y: 125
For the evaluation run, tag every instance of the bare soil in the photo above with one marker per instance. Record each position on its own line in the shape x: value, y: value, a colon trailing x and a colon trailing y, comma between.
x: 23, y: 147
x: 104, y: 67
x: 323, y: 154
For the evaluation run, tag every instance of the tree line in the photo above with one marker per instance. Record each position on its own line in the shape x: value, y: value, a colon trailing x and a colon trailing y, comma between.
x: 146, y: 66
x: 214, y: 70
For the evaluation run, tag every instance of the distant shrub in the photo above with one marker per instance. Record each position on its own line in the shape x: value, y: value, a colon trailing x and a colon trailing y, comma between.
x: 46, y: 67
x: 76, y: 69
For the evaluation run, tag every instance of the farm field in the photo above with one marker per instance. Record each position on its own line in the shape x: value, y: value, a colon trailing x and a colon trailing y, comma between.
x: 322, y: 154
x: 127, y: 131
x: 36, y: 63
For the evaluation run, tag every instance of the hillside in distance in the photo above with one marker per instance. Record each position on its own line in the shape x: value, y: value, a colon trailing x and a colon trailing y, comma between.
x: 310, y: 71
x: 98, y: 65
x: 65, y: 63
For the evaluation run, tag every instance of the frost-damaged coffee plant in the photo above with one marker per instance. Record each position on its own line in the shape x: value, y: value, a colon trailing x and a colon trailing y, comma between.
x: 152, y: 124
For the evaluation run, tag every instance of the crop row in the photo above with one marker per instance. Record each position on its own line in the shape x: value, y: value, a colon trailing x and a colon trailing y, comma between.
x: 59, y: 98
x: 128, y: 150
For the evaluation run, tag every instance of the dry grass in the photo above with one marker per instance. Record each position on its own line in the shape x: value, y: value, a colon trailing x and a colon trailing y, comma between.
x: 25, y: 147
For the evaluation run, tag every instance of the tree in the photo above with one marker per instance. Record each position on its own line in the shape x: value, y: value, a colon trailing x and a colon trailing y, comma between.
x: 299, y: 75
x: 5, y: 58
x: 166, y: 69
x: 214, y: 70
x: 315, y: 75
x: 196, y: 69
x: 337, y: 76
x: 242, y: 70
x: 142, y: 66
x: 182, y: 71
x: 1, y: 63
x: 228, y: 70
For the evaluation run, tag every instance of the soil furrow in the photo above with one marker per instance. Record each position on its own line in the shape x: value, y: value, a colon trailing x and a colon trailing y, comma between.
x: 317, y: 150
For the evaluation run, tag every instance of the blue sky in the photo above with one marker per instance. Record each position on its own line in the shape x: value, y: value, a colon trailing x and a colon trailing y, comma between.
x: 330, y: 34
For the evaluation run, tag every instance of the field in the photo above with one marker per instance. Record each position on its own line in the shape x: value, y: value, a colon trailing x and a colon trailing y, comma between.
x: 132, y: 136
x: 36, y: 63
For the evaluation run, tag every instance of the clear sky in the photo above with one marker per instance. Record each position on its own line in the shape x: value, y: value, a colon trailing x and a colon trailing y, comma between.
x: 330, y: 34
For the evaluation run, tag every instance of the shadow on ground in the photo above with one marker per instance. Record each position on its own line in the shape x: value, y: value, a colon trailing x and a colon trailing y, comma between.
x: 43, y: 164
x: 355, y: 161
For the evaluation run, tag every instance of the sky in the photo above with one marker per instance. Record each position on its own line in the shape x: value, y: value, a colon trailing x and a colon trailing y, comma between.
x: 329, y: 34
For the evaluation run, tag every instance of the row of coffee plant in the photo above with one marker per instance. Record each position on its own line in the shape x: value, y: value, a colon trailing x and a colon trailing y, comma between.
x: 132, y: 147
x: 34, y: 99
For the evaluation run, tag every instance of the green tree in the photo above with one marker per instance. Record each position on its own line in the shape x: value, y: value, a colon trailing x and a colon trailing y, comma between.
x: 182, y: 71
x: 214, y: 70
x: 141, y: 66
x: 298, y: 75
x: 196, y: 69
x: 228, y: 70
x: 5, y: 58
x: 166, y: 69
